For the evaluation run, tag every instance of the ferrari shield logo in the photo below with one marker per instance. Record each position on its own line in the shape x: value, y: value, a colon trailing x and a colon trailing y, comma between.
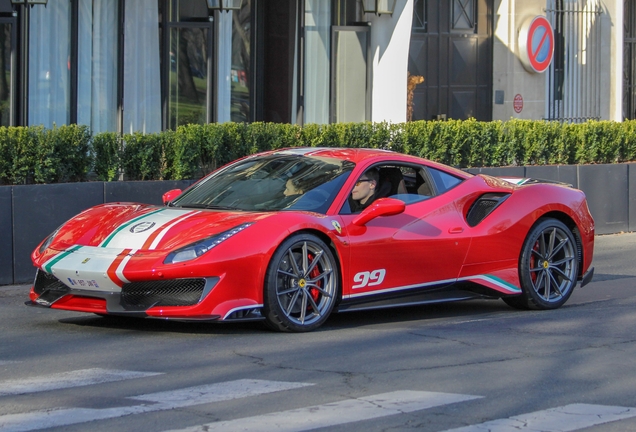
x: 141, y: 227
x: 337, y: 226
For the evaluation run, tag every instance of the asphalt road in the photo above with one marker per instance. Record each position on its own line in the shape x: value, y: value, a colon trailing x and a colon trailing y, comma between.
x: 432, y: 368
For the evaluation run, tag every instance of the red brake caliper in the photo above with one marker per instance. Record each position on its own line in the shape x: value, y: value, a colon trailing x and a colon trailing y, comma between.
x: 533, y: 262
x: 314, y: 274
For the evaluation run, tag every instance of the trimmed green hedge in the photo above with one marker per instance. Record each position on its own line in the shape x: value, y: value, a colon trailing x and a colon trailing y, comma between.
x: 70, y: 153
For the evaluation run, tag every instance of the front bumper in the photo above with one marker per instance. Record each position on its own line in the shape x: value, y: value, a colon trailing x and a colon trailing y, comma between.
x: 134, y: 298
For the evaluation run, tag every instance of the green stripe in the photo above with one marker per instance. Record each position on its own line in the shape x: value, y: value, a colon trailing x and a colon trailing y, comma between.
x: 503, y: 282
x: 49, y: 266
x: 127, y: 224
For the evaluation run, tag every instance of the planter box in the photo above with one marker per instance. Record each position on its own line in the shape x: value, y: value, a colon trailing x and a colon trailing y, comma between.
x: 31, y: 212
x: 34, y: 211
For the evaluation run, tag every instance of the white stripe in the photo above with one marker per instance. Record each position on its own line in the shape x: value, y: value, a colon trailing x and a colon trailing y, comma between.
x: 562, y: 419
x: 509, y: 288
x: 337, y: 413
x: 63, y: 380
x: 406, y: 287
x: 120, y: 268
x: 87, y: 266
x: 217, y: 392
x: 163, y: 232
x: 231, y: 311
x: 129, y: 240
x: 157, y: 402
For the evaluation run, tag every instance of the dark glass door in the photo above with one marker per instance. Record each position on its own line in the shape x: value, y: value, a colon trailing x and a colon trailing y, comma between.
x: 451, y: 48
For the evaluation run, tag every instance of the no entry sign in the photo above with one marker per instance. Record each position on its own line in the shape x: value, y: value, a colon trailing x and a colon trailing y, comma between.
x: 536, y: 44
x: 517, y: 103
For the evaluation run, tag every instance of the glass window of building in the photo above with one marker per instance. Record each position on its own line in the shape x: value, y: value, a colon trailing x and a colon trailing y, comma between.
x: 97, y: 64
x: 142, y: 72
x: 317, y: 64
x: 6, y: 39
x: 50, y: 64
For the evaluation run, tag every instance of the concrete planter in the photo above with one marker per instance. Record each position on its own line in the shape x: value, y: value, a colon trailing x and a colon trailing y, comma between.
x: 610, y: 189
x: 29, y: 213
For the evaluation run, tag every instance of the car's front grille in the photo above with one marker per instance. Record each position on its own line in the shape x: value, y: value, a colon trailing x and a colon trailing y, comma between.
x: 47, y: 282
x: 176, y: 292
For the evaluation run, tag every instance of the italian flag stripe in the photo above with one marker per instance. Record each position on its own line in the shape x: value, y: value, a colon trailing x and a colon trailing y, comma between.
x: 114, y: 267
x: 154, y: 239
x: 48, y: 267
x: 127, y: 224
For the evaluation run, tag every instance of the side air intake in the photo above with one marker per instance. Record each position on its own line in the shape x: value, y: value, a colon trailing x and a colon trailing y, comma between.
x: 483, y: 207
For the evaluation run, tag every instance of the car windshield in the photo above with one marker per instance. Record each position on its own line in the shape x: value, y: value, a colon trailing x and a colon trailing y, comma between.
x: 271, y: 183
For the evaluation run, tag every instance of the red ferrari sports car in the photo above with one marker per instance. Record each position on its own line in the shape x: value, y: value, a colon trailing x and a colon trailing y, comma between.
x: 292, y: 235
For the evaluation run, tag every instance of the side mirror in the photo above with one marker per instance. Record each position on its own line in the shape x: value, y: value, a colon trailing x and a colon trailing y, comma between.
x: 170, y: 195
x: 381, y: 207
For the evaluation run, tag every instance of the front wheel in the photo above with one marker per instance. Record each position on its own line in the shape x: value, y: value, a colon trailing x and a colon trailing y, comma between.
x: 301, y: 284
x: 548, y: 267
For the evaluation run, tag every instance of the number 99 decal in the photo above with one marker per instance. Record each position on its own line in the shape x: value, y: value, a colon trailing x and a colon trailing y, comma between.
x: 365, y: 278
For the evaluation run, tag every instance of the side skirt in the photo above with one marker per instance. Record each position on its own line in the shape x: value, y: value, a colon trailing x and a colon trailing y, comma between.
x: 428, y: 295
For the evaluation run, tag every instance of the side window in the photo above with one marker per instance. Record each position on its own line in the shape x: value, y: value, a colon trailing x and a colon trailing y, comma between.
x: 403, y: 182
x: 443, y: 181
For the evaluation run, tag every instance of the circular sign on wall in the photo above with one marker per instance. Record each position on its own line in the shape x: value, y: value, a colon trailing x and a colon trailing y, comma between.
x: 517, y: 103
x: 536, y: 44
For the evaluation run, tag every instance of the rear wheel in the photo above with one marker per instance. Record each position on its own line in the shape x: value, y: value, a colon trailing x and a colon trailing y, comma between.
x: 548, y: 267
x: 301, y: 284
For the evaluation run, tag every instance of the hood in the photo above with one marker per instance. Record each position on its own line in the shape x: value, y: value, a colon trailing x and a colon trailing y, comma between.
x: 146, y: 227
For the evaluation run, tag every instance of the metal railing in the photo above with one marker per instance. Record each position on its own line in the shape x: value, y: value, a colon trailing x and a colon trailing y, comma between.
x: 573, y: 87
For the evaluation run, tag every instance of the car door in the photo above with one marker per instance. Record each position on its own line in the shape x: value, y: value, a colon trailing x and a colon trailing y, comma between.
x: 423, y: 247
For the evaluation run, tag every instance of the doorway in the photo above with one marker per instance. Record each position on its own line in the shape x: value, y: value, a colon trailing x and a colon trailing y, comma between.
x: 451, y: 48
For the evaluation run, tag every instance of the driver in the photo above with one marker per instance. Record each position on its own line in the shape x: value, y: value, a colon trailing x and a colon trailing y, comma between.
x: 364, y: 191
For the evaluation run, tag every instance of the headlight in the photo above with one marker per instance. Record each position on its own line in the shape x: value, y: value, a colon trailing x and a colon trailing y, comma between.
x: 197, y: 249
x: 47, y: 242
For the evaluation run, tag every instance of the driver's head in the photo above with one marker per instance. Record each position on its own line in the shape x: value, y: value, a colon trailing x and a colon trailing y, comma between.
x: 291, y: 188
x: 365, y: 186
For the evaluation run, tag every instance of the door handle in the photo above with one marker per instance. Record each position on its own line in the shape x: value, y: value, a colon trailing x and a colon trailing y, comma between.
x: 456, y: 230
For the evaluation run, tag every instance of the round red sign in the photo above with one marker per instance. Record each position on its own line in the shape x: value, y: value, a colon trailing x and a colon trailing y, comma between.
x: 518, y: 103
x: 536, y: 44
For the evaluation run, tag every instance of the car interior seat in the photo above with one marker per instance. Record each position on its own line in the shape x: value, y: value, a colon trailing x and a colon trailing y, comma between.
x: 423, y: 187
x: 391, y: 182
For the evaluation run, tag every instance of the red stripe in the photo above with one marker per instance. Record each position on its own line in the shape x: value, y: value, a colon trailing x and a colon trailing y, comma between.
x: 112, y: 269
x: 154, y: 235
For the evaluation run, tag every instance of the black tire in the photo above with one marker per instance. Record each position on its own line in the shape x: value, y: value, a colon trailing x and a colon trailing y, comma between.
x: 301, y: 285
x: 548, y: 267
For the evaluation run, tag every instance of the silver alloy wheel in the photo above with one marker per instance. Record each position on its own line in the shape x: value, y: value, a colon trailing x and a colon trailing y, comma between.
x: 305, y: 283
x: 553, y: 264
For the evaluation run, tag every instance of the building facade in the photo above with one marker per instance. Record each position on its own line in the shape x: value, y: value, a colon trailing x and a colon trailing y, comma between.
x: 150, y: 65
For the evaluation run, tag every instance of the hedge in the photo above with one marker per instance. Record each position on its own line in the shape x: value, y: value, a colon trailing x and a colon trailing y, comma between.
x: 71, y: 153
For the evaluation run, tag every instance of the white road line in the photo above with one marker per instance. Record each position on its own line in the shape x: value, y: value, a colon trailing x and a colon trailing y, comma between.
x: 216, y: 392
x: 337, y: 413
x: 158, y: 402
x: 64, y: 380
x: 562, y: 419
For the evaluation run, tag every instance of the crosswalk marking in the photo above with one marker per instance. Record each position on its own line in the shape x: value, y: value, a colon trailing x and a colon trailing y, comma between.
x: 158, y: 402
x: 217, y: 392
x: 331, y: 414
x: 562, y: 419
x: 78, y: 378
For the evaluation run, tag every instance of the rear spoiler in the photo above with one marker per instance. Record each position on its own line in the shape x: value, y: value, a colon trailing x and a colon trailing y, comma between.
x: 519, y: 181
